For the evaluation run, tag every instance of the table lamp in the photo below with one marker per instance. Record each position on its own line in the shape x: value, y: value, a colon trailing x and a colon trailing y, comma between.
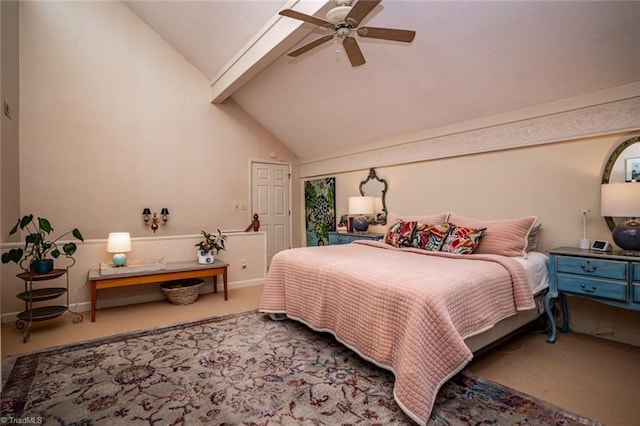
x: 119, y: 243
x: 623, y: 200
x: 359, y: 207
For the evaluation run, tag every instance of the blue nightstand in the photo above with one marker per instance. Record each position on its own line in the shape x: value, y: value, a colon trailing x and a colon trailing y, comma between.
x: 611, y: 278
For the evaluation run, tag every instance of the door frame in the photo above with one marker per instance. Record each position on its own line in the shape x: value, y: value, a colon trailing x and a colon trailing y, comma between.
x: 253, y: 161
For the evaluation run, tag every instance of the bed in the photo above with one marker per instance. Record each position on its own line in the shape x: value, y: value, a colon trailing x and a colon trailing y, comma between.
x: 418, y: 312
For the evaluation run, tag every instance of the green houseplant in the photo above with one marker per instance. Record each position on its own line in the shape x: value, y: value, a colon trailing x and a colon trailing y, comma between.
x: 38, y: 246
x: 210, y: 246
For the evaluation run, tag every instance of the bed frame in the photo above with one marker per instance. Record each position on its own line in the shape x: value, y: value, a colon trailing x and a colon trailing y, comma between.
x: 507, y: 328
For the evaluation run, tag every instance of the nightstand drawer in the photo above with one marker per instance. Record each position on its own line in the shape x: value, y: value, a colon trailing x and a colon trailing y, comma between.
x: 636, y: 271
x: 592, y: 267
x: 339, y: 239
x: 604, y: 289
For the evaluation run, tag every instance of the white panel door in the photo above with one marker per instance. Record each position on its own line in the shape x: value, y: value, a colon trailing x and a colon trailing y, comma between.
x: 270, y: 199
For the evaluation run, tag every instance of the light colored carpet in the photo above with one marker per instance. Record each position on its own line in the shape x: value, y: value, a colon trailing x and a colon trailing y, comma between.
x: 590, y: 376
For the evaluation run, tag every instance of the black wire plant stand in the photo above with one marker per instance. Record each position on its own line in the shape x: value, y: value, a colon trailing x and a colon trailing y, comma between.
x: 34, y: 294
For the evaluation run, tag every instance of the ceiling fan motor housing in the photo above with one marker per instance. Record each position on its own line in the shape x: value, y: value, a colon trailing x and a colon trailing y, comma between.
x: 337, y: 14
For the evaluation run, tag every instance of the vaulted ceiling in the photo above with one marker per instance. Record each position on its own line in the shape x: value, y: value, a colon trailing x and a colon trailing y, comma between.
x: 470, y: 59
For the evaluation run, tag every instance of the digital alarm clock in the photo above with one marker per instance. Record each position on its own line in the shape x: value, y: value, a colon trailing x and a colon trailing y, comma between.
x: 601, y: 245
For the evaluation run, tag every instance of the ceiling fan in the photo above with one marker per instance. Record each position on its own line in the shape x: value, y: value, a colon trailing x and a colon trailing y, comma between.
x: 344, y: 19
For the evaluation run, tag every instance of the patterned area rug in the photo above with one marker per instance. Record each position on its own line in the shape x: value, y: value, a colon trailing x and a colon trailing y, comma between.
x: 242, y: 369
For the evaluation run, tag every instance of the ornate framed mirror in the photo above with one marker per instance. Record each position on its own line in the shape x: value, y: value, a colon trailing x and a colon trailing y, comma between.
x: 616, y: 169
x: 375, y: 187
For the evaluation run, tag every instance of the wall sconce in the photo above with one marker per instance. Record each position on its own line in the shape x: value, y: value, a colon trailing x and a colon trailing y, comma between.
x: 146, y: 213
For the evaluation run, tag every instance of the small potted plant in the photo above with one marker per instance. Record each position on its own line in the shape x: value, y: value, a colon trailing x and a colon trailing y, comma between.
x: 210, y: 246
x: 37, y: 247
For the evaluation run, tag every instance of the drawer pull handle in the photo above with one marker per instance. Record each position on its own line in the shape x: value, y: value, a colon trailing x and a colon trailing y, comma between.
x: 589, y: 290
x: 588, y: 267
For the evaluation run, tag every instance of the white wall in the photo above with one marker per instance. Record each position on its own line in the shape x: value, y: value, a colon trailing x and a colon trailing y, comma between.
x: 551, y: 181
x: 112, y: 120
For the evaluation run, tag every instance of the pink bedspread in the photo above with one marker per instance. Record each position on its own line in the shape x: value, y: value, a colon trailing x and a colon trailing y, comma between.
x: 406, y: 310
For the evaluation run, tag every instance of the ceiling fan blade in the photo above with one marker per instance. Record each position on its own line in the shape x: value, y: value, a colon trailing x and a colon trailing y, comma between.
x: 310, y: 46
x: 406, y: 36
x: 353, y: 51
x: 358, y: 12
x: 290, y: 13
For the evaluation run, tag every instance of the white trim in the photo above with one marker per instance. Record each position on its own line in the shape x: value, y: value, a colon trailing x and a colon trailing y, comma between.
x: 234, y: 233
x: 596, y: 120
x: 272, y: 41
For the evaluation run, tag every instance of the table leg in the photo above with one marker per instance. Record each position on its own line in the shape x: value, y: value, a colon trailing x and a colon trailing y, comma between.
x: 93, y: 301
x: 215, y: 283
x: 224, y: 280
x: 549, y: 312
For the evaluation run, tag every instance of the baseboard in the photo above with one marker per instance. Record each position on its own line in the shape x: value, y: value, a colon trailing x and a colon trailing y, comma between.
x: 608, y: 333
x: 141, y: 298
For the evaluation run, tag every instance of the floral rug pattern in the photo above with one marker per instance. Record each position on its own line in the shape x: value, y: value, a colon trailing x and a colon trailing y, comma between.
x: 242, y: 369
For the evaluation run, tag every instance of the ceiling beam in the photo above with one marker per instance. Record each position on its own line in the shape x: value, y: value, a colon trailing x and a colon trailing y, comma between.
x: 278, y: 36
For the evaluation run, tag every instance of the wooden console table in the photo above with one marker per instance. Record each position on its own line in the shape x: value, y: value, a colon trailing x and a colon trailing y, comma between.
x: 174, y: 271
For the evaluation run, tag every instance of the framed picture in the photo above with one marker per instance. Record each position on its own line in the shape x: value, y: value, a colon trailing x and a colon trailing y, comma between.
x: 632, y: 169
x: 320, y: 210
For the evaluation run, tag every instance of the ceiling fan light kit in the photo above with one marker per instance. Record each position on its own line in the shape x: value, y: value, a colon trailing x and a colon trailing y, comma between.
x: 343, y: 19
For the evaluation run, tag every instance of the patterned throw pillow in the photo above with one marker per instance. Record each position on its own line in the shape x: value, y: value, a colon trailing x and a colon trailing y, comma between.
x: 400, y: 233
x: 430, y: 237
x: 462, y: 240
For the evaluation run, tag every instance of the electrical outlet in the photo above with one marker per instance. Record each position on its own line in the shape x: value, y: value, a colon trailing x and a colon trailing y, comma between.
x: 243, y: 263
x: 585, y: 211
x: 236, y: 205
x: 243, y: 206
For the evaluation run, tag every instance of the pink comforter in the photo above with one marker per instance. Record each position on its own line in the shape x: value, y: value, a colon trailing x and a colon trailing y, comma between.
x: 407, y: 310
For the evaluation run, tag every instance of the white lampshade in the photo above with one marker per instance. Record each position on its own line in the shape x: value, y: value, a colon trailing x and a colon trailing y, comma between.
x: 360, y: 205
x: 377, y: 204
x: 620, y: 199
x: 119, y: 242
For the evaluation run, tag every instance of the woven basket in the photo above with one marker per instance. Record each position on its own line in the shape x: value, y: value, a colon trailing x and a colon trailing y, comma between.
x: 182, y: 292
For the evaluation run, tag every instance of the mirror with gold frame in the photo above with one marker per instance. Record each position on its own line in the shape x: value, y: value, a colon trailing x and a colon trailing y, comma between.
x: 620, y: 167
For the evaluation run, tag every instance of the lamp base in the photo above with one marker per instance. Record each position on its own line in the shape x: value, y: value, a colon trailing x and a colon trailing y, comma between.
x: 119, y: 259
x: 627, y: 235
x: 360, y: 224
